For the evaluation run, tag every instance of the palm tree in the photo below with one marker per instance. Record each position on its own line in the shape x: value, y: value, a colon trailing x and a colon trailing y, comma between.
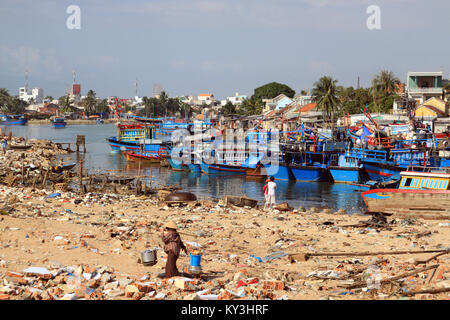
x: 163, y: 101
x: 384, y: 85
x: 90, y: 102
x: 4, y: 97
x: 324, y: 94
x: 65, y: 103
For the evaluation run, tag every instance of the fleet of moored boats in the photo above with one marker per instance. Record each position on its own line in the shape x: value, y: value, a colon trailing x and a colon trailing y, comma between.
x: 403, y: 167
x: 403, y: 173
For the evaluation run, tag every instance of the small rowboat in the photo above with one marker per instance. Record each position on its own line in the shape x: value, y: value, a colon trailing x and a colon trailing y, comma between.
x: 241, y: 201
x: 59, y: 123
x: 221, y: 169
x: 134, y: 156
x: 19, y: 147
x: 64, y: 167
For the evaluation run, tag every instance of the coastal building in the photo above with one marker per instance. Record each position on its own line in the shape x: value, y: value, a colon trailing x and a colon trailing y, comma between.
x: 431, y: 109
x: 205, y: 98
x: 35, y: 95
x: 237, y: 99
x: 49, y: 109
x: 190, y: 100
x: 277, y: 103
x: 422, y: 86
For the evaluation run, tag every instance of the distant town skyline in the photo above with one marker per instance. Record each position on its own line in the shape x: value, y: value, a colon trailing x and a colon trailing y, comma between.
x: 214, y: 46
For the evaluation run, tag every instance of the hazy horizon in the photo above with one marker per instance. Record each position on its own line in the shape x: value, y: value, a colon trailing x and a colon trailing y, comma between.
x: 213, y: 46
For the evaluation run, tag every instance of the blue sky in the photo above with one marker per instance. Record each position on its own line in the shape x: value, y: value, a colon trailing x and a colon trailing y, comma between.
x: 216, y: 46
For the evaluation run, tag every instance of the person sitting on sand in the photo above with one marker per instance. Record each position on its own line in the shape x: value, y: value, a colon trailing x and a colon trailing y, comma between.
x: 172, y: 245
x: 4, y: 144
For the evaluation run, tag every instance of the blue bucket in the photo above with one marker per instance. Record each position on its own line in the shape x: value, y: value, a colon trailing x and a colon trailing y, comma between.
x: 195, y: 260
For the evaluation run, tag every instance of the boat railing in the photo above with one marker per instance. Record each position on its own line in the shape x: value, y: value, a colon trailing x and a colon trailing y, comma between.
x: 367, y: 154
x: 428, y: 169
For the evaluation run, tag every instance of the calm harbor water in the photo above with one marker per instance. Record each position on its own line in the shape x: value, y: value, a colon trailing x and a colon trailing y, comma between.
x: 99, y: 158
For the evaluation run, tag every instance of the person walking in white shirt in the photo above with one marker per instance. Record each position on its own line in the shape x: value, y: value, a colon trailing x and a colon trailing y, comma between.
x: 272, y: 186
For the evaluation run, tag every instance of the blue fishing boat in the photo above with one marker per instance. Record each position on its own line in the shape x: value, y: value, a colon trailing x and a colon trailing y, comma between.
x: 13, y: 120
x: 130, y: 137
x: 194, y: 167
x: 177, y: 165
x: 310, y: 166
x: 349, y: 169
x: 59, y: 123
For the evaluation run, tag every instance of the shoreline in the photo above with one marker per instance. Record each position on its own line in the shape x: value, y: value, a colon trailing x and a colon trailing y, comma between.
x: 71, y: 122
x: 95, y: 239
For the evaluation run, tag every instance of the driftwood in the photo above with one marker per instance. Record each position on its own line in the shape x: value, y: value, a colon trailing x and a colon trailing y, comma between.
x: 306, y: 256
x: 431, y: 291
x: 403, y: 275
x: 432, y: 258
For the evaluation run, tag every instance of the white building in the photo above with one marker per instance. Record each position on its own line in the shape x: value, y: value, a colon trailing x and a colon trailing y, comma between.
x: 205, y: 98
x: 37, y: 94
x: 422, y: 86
x: 237, y: 99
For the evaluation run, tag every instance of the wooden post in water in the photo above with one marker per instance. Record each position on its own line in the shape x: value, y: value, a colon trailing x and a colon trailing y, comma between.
x: 45, y: 179
x: 81, y: 141
x: 23, y: 178
x: 81, y: 175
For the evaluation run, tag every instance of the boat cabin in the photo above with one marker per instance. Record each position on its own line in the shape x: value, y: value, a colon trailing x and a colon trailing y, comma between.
x: 424, y: 181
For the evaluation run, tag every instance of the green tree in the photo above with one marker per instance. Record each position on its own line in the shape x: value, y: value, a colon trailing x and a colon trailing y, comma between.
x: 66, y: 104
x: 4, y: 97
x: 251, y: 106
x: 102, y: 107
x: 324, y: 94
x: 271, y: 90
x: 90, y: 102
x: 10, y: 104
x: 384, y: 86
x: 49, y: 98
x: 228, y: 109
x: 353, y: 101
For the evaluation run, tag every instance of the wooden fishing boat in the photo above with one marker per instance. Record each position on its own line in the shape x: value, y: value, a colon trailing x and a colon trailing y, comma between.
x: 221, y: 169
x: 243, y: 201
x: 19, y: 147
x: 422, y: 194
x: 64, y: 167
x: 256, y: 173
x: 142, y: 156
x: 178, y: 165
x: 59, y: 123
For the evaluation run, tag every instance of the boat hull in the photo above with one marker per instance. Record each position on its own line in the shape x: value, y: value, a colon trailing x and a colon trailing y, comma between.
x: 194, y: 167
x: 137, y: 156
x: 382, y: 171
x: 19, y: 122
x: 280, y: 172
x: 221, y: 169
x: 431, y: 204
x: 120, y: 145
x: 347, y: 174
x: 310, y: 173
x: 178, y: 165
x: 59, y: 125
